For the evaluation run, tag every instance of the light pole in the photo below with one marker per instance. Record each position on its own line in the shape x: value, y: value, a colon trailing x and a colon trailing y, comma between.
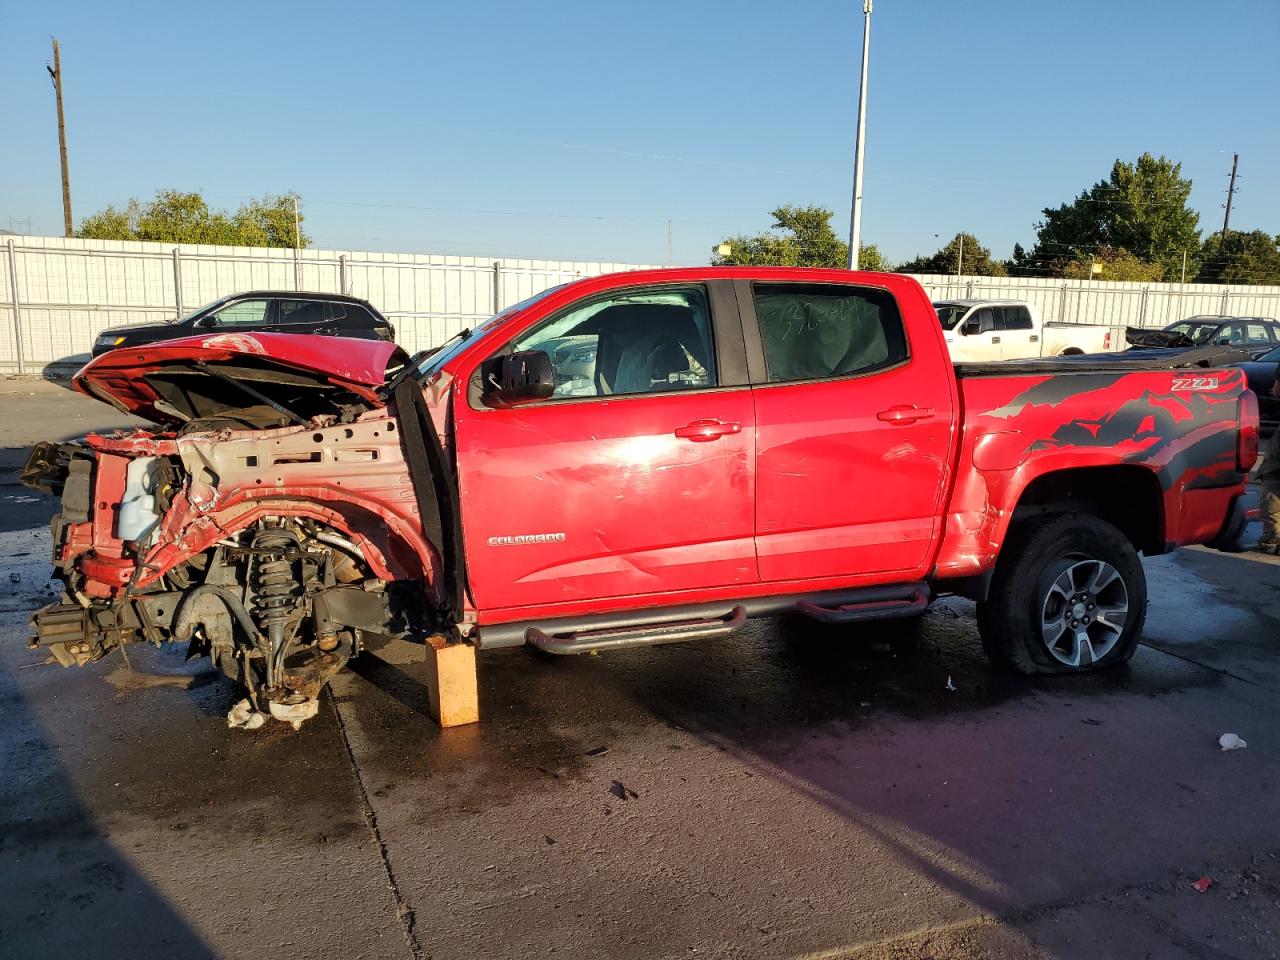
x: 855, y: 219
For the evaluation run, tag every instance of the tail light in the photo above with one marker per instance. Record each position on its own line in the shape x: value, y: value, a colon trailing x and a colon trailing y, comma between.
x: 1247, y: 425
x: 1106, y: 340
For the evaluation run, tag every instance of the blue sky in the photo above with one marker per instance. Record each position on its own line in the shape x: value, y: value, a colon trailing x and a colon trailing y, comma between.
x: 574, y: 129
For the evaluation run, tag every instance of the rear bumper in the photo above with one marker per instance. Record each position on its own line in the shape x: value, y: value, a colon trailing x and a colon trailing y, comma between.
x: 1231, y: 535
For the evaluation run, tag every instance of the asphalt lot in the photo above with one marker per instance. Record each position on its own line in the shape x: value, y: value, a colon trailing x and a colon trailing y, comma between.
x: 788, y: 792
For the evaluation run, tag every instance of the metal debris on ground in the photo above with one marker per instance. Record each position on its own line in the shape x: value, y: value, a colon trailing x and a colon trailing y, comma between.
x: 597, y: 751
x: 1229, y: 741
x: 243, y: 717
x: 950, y: 686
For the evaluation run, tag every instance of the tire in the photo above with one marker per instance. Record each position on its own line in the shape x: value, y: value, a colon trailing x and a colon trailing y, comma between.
x: 1068, y: 595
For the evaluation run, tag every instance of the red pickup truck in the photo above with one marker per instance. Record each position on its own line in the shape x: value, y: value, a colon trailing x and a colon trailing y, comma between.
x: 635, y: 458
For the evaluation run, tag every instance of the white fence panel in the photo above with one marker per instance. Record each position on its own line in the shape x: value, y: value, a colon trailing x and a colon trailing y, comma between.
x: 70, y: 290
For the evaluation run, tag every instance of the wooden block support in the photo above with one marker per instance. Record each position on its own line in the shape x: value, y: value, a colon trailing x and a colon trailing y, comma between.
x: 452, y: 694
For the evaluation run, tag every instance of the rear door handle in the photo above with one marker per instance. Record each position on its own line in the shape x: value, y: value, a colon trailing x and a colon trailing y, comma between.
x: 704, y: 431
x: 1034, y: 338
x: 905, y: 414
x: 995, y: 339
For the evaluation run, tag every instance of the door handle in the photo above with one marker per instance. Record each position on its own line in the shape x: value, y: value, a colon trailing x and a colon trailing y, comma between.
x: 1034, y: 338
x: 704, y: 431
x: 995, y: 339
x: 905, y: 414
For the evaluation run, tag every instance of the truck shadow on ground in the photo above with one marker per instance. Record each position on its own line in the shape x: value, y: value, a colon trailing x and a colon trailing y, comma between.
x: 66, y: 888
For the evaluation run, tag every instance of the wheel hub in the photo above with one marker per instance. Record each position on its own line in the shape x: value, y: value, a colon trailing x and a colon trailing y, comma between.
x: 1084, y: 611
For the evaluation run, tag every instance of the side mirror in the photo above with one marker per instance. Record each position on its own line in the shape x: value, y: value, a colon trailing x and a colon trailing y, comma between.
x: 519, y: 378
x: 207, y: 322
x: 971, y: 327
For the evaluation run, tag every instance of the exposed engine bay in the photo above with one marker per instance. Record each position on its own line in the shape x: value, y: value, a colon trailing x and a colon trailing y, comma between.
x: 278, y: 537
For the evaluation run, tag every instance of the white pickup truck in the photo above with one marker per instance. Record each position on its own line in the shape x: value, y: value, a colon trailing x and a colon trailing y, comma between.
x: 979, y: 331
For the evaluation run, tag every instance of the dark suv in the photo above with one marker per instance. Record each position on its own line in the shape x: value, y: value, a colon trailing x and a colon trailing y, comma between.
x: 262, y: 311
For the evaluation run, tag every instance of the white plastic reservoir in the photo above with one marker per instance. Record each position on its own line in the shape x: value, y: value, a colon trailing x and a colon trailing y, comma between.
x: 138, y: 508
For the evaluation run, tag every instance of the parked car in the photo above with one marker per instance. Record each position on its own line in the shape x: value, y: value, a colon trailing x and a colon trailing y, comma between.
x: 754, y: 441
x: 329, y: 314
x: 1253, y: 335
x: 1262, y: 374
x: 977, y: 331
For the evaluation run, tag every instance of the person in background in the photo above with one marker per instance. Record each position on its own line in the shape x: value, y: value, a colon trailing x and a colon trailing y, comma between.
x: 1269, y: 501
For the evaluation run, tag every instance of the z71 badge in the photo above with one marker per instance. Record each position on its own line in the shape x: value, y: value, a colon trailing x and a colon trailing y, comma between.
x: 1195, y: 383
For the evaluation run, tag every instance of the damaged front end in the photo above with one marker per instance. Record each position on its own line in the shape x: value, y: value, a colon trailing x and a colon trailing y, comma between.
x: 273, y: 523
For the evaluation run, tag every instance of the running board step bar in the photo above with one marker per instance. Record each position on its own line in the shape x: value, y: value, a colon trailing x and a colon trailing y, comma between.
x: 875, y: 603
x: 643, y: 634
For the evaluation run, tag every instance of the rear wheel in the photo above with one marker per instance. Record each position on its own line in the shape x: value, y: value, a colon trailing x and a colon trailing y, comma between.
x: 1068, y: 596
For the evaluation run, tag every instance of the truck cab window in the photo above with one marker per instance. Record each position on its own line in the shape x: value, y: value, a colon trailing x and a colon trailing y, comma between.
x: 642, y: 341
x: 1017, y: 318
x: 820, y: 331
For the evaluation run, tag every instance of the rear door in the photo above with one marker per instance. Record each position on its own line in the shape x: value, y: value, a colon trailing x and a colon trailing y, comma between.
x: 853, y: 424
x: 1018, y: 337
x: 637, y: 477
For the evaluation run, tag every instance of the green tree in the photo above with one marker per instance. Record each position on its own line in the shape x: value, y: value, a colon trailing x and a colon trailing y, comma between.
x: 1252, y: 257
x: 806, y: 240
x: 1141, y: 207
x: 976, y: 261
x: 1112, y: 263
x: 178, y: 217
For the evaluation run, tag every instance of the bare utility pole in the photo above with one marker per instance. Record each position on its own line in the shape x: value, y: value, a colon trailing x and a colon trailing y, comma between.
x: 1231, y: 191
x: 55, y: 72
x: 855, y: 217
x: 297, y: 247
x: 668, y: 243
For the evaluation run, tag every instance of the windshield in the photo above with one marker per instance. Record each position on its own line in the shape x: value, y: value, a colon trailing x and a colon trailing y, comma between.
x: 1196, y: 332
x: 196, y: 312
x: 949, y: 314
x: 1271, y: 356
x: 452, y: 347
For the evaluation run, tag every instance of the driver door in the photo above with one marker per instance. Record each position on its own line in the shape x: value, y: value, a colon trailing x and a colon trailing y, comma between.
x: 637, y: 477
x: 982, y: 344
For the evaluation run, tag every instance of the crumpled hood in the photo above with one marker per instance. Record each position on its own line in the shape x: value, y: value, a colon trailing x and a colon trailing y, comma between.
x: 175, y: 381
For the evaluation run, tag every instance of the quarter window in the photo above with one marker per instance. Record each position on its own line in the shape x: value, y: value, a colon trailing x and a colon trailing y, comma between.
x: 638, y: 341
x: 820, y: 331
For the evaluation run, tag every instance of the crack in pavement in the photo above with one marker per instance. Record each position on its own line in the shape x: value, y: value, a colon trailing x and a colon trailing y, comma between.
x: 1208, y: 666
x: 405, y: 916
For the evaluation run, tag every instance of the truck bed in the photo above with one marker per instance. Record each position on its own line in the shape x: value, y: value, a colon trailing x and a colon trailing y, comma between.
x: 1131, y: 361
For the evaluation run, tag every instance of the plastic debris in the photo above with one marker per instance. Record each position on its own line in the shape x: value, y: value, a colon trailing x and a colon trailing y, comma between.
x: 243, y: 717
x: 950, y: 686
x: 1203, y: 884
x: 1229, y: 741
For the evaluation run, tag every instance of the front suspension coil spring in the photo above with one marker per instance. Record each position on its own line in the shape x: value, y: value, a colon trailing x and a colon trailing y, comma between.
x: 275, y: 586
